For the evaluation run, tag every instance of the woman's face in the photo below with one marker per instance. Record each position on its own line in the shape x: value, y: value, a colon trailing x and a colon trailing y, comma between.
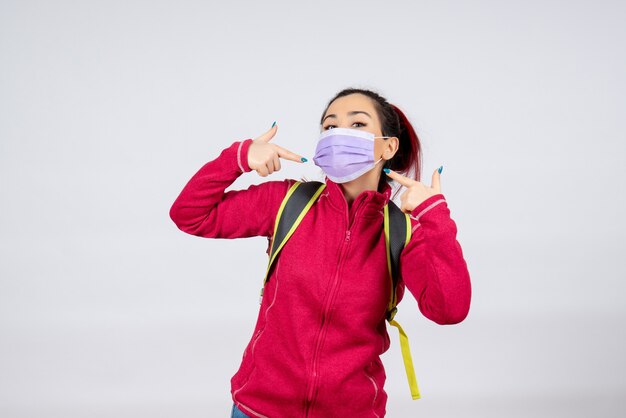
x: 357, y: 111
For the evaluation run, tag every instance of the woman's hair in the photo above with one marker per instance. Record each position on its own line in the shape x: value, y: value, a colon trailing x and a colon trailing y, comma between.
x: 408, y: 159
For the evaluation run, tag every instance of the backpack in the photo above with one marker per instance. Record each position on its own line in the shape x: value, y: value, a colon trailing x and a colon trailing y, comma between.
x: 397, y: 225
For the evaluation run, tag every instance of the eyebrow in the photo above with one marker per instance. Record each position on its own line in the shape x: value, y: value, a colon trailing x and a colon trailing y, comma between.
x: 354, y: 112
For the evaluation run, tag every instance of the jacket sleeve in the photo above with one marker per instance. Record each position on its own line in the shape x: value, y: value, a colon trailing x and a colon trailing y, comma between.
x: 432, y: 265
x: 204, y: 209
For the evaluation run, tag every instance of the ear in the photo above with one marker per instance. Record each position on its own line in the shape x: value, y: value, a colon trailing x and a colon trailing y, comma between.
x: 391, y: 147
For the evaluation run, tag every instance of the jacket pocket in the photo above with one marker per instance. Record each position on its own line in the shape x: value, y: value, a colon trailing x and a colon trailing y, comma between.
x: 375, y: 374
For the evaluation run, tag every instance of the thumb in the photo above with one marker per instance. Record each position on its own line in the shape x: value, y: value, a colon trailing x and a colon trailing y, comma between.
x: 436, y: 180
x: 267, y: 136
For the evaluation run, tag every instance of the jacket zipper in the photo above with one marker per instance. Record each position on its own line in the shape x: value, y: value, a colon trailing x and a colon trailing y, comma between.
x: 314, y: 376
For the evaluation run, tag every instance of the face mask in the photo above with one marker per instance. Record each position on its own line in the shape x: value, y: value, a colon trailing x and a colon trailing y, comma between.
x: 345, y: 154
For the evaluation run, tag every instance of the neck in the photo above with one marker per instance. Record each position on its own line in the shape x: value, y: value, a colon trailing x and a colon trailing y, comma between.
x: 353, y: 188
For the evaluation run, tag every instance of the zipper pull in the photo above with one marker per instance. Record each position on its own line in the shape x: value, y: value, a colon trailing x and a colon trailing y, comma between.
x: 348, y: 235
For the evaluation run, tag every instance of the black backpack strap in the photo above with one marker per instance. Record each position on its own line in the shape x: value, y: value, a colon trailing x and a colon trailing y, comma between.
x: 297, y: 202
x: 397, y: 235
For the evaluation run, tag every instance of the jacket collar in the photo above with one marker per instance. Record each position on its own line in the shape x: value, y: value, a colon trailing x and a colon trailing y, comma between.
x: 373, y: 200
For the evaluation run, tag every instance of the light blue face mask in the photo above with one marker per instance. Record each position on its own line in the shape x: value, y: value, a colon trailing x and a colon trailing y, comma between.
x: 345, y: 153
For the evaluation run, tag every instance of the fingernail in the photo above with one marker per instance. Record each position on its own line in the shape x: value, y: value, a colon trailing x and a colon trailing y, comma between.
x: 273, y: 124
x: 440, y: 169
x: 304, y: 160
x: 386, y: 170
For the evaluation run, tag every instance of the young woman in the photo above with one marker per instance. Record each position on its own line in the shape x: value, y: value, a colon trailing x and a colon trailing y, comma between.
x: 315, y: 350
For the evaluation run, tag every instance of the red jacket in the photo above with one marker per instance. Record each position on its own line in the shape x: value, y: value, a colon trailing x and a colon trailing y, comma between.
x: 315, y: 350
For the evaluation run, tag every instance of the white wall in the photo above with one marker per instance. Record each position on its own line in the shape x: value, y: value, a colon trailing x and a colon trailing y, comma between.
x: 107, y: 108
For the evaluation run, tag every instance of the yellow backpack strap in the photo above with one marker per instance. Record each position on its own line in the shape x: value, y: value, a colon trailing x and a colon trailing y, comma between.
x: 296, y: 203
x: 397, y: 225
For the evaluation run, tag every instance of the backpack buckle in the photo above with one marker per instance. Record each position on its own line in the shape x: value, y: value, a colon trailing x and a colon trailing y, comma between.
x: 391, y: 313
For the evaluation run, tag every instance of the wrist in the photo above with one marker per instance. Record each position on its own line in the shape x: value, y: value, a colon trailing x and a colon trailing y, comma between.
x: 242, y: 155
x: 428, y: 204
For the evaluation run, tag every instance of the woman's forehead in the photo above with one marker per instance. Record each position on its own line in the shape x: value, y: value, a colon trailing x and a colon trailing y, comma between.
x: 354, y: 104
x: 351, y: 102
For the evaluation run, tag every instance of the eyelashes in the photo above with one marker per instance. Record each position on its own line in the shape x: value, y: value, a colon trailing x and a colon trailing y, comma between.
x: 360, y: 123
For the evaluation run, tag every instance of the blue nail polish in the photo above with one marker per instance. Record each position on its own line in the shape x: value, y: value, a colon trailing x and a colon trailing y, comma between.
x: 273, y: 124
x: 304, y: 160
x: 440, y: 169
x: 386, y: 170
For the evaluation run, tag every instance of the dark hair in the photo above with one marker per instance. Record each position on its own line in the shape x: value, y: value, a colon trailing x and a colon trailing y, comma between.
x: 408, y: 159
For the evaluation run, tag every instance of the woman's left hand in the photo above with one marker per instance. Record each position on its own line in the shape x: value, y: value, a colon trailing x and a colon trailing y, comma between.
x: 416, y: 192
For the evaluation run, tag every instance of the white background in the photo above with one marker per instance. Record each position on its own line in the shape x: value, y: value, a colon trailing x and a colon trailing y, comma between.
x: 107, y: 108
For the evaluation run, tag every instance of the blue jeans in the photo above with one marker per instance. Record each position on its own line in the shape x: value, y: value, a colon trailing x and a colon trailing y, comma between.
x: 236, y: 412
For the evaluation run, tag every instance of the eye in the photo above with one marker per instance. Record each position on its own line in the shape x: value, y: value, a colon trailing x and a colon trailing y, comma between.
x: 355, y: 123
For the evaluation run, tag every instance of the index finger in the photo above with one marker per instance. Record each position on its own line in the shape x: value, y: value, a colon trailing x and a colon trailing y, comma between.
x: 403, y: 180
x: 288, y: 155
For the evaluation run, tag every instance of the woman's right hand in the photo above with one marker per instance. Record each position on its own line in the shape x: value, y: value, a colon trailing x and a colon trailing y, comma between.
x: 264, y: 156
